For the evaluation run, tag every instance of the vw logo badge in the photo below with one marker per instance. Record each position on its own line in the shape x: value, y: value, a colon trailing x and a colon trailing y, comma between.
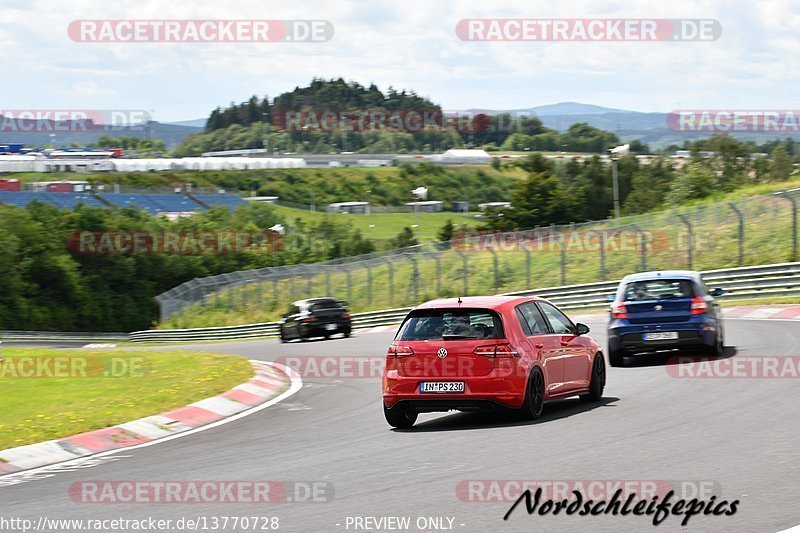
x: 659, y: 307
x: 442, y: 353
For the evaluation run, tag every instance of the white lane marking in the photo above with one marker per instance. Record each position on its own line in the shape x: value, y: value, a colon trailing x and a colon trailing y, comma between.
x: 762, y: 313
x: 297, y: 384
x: 765, y: 319
x: 795, y: 529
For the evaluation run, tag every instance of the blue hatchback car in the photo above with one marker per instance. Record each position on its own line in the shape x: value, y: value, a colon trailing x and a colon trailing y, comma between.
x: 663, y: 310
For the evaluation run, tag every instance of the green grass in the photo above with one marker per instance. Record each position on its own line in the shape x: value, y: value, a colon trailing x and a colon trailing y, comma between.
x: 44, y: 408
x: 384, y: 226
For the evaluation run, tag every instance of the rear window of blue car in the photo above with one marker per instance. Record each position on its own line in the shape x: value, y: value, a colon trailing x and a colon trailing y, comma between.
x: 659, y: 289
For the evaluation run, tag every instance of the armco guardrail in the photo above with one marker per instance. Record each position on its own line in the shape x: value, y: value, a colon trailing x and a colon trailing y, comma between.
x: 742, y: 282
x: 265, y: 329
x: 61, y: 336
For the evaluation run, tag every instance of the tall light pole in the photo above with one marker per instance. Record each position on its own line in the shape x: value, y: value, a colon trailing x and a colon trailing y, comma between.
x: 615, y: 153
x: 368, y: 205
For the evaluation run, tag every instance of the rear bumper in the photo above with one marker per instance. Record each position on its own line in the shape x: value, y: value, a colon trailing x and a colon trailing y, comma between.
x: 629, y: 338
x: 499, y: 389
x: 319, y: 329
x: 456, y: 404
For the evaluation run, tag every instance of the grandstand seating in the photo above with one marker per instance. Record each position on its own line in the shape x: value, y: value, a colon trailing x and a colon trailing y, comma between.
x: 228, y: 200
x: 20, y: 198
x: 70, y: 200
x: 174, y: 203
x: 152, y: 203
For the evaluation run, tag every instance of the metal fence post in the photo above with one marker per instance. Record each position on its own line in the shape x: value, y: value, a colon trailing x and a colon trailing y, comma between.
x: 643, y: 246
x: 740, y: 238
x: 347, y: 274
x: 602, y: 234
x: 327, y: 281
x: 414, y: 277
x: 690, y: 241
x: 465, y: 276
x: 369, y: 284
x: 527, y: 264
x: 496, y: 270
x: 793, y: 200
x: 391, y: 282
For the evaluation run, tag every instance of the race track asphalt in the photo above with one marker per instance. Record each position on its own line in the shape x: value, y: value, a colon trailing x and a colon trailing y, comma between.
x: 741, y: 436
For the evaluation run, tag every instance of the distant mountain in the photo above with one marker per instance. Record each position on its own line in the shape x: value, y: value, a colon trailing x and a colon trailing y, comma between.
x: 574, y: 108
x: 196, y: 123
x: 651, y: 128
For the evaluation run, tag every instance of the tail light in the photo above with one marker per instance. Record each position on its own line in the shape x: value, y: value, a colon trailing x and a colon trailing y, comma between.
x: 699, y: 306
x: 399, y: 351
x: 346, y: 315
x: 503, y: 350
x: 619, y: 310
x: 309, y: 319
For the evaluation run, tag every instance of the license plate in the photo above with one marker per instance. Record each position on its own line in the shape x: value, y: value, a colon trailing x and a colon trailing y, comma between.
x: 661, y: 336
x: 331, y: 327
x: 439, y: 387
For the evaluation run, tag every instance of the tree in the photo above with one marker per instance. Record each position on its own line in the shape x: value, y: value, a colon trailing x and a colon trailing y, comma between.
x: 781, y: 165
x: 404, y: 239
x: 696, y: 181
x: 446, y: 231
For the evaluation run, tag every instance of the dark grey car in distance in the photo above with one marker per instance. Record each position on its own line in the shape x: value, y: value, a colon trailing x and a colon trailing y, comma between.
x: 315, y: 317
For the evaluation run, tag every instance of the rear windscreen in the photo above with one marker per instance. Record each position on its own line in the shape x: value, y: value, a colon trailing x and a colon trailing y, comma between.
x: 659, y: 289
x: 433, y: 324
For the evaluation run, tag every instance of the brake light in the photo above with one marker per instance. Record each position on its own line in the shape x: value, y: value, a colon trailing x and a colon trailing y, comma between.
x: 346, y: 315
x: 503, y: 350
x: 309, y: 319
x: 699, y: 306
x: 400, y: 351
x: 619, y: 310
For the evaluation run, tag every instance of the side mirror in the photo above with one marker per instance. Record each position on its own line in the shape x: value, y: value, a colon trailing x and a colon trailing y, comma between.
x: 610, y: 297
x: 716, y: 293
x: 581, y: 329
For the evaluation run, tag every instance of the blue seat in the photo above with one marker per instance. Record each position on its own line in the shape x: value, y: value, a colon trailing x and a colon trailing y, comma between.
x: 230, y: 201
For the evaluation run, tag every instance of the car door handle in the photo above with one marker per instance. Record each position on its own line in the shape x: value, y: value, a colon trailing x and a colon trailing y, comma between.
x: 538, y: 345
x: 564, y: 343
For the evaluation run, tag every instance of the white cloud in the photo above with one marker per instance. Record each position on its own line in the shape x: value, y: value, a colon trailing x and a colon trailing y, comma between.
x: 409, y: 44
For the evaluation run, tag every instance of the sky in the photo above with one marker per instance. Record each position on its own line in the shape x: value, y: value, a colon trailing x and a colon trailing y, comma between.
x: 410, y: 44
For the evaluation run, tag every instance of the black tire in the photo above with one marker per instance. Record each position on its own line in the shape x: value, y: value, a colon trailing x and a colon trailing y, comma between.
x: 347, y: 334
x: 616, y: 359
x: 399, y: 418
x: 282, y: 336
x: 719, y: 345
x: 598, y: 380
x: 534, y: 395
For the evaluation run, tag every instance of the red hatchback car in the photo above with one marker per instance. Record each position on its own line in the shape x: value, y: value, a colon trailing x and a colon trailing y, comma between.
x: 493, y: 352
